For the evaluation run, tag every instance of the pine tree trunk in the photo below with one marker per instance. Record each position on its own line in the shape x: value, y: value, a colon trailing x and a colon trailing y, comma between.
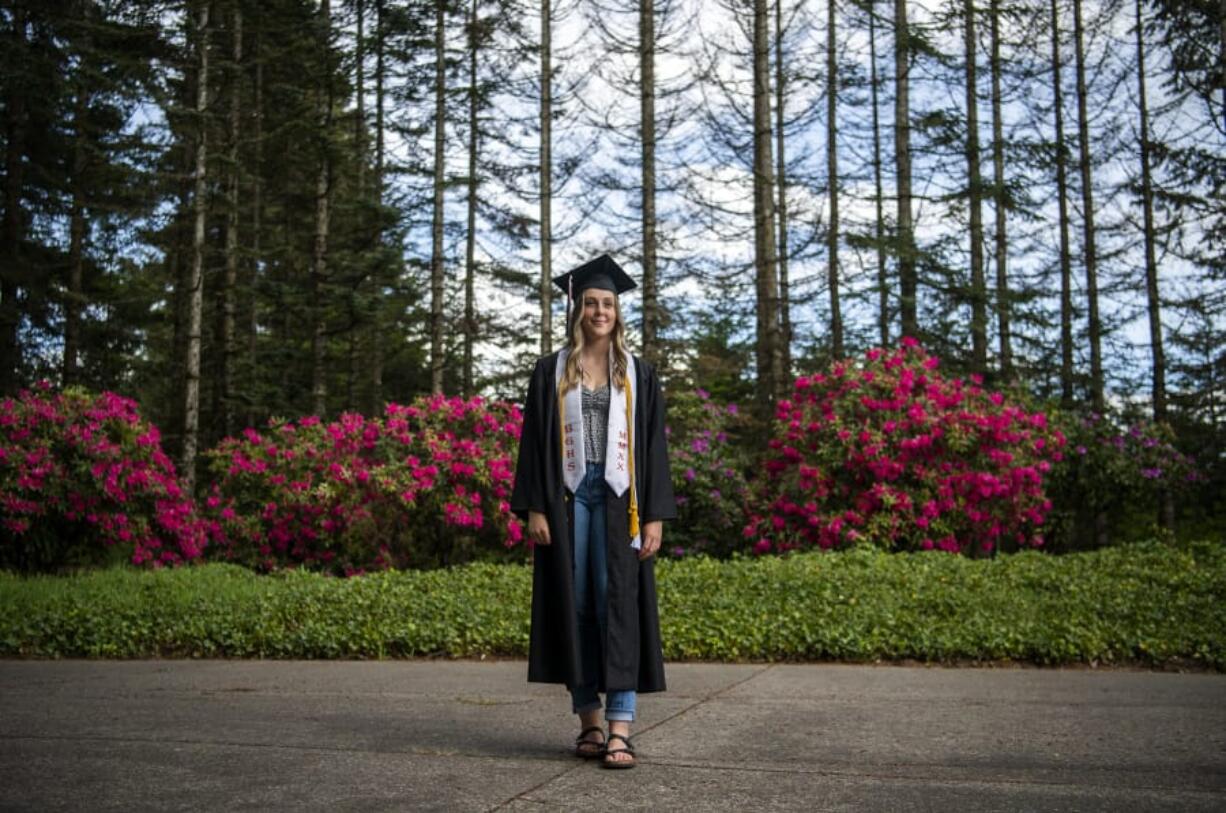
x: 229, y: 335
x: 319, y: 253
x: 1166, y: 512
x: 359, y: 95
x: 13, y: 230
x: 376, y: 308
x: 436, y: 231
x: 195, y: 281
x: 470, y: 242
x: 74, y: 297
x: 883, y: 285
x: 257, y: 212
x: 647, y: 125
x: 1151, y: 263
x: 546, y: 288
x: 1066, y: 272
x: 1087, y: 203
x: 832, y: 176
x: 1003, y: 297
x: 179, y: 250
x: 907, y: 280
x: 768, y: 356
x: 785, y: 300
x: 979, y: 293
x: 286, y: 276
x: 359, y: 141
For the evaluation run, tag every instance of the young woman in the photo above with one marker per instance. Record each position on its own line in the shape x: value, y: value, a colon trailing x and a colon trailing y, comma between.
x: 593, y: 484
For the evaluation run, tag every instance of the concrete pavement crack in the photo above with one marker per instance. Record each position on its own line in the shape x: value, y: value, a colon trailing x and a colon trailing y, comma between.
x: 943, y: 780
x: 522, y: 795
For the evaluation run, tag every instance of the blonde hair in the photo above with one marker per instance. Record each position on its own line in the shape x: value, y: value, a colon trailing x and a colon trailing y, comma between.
x: 574, y: 371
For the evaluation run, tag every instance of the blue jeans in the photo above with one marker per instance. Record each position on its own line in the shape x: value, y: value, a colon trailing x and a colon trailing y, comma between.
x: 591, y: 596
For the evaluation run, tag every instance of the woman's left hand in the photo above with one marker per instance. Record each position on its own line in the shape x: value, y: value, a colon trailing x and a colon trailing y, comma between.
x: 652, y: 532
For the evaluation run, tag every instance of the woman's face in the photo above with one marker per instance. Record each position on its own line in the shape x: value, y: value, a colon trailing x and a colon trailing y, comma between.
x: 599, y: 314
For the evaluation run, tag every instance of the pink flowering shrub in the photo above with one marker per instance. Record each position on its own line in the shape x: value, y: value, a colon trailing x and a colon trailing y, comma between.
x: 425, y: 485
x: 888, y: 451
x: 83, y: 479
x: 707, y: 473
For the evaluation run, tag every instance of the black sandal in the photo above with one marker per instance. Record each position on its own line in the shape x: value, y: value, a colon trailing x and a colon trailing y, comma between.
x: 589, y: 749
x: 618, y: 763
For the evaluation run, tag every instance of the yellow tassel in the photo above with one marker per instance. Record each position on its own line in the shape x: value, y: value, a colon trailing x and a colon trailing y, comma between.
x: 634, y: 502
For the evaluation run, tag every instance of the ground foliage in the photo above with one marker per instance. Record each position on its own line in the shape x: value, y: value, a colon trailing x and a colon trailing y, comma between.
x: 1148, y: 603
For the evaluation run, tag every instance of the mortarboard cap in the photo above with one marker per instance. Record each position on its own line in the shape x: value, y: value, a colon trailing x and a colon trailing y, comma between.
x: 603, y: 273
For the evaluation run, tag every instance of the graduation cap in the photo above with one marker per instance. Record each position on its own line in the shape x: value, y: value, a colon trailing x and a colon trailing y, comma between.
x: 603, y: 273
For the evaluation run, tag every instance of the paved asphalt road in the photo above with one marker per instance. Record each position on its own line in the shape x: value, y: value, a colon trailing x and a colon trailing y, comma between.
x: 464, y: 735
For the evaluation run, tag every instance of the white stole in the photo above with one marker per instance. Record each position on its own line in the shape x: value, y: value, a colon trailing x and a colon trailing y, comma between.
x: 617, y: 449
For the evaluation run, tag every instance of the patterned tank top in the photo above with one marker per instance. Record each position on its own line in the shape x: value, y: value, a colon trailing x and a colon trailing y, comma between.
x: 595, y: 422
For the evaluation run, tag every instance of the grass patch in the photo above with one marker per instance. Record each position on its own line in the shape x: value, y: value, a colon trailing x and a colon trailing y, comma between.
x: 1143, y: 603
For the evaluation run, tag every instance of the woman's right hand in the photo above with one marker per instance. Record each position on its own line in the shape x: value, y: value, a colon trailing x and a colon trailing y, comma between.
x: 538, y: 528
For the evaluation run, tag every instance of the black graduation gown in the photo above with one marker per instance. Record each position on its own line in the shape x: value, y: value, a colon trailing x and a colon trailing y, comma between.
x: 633, y: 658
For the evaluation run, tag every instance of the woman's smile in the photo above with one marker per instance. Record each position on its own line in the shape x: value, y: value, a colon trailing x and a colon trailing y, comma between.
x: 599, y: 312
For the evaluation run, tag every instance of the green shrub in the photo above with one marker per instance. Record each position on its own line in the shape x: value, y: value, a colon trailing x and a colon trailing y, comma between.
x: 1145, y: 602
x: 1110, y: 483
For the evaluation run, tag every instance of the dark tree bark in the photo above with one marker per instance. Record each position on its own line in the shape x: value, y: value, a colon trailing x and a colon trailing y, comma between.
x: 832, y: 176
x: 546, y: 288
x: 436, y: 231
x: 13, y: 231
x: 195, y: 280
x: 323, y: 214
x: 770, y: 374
x: 1000, y: 203
x: 785, y: 299
x: 979, y: 298
x: 376, y: 327
x: 1166, y: 506
x: 1158, y: 357
x: 229, y: 334
x: 907, y: 280
x: 647, y: 129
x: 359, y: 94
x: 1087, y: 202
x: 359, y: 141
x: 470, y: 238
x: 257, y: 214
x: 74, y: 297
x: 883, y: 285
x: 1066, y: 273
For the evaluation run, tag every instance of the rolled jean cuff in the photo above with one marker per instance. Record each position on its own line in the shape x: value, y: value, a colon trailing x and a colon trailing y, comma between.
x: 619, y: 716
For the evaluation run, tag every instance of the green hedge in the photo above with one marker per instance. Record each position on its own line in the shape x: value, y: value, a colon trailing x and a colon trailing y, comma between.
x: 1145, y: 603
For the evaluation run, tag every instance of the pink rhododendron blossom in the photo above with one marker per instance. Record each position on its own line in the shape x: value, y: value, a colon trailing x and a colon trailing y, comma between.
x: 921, y: 462
x: 357, y: 494
x: 88, y: 469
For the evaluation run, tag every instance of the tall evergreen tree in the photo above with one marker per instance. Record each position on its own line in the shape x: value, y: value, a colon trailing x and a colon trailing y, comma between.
x: 195, y: 278
x: 546, y: 181
x: 907, y: 278
x: 1066, y: 273
x: 832, y: 175
x: 1000, y: 199
x: 1089, y: 237
x: 979, y: 310
x: 436, y: 229
x: 769, y: 355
